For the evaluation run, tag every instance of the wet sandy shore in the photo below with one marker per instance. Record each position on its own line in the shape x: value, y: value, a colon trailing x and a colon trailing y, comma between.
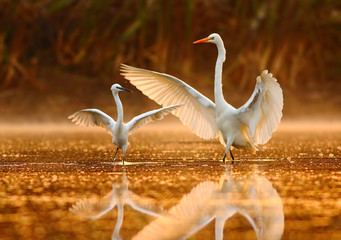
x: 59, y: 182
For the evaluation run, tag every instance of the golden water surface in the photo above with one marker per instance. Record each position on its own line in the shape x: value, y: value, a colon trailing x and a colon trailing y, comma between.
x: 59, y: 182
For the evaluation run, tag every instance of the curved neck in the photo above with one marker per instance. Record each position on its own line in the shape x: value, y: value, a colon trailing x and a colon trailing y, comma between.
x: 218, y: 91
x: 119, y: 107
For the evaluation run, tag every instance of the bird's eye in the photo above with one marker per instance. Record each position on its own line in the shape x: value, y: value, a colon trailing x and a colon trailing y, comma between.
x: 211, y: 38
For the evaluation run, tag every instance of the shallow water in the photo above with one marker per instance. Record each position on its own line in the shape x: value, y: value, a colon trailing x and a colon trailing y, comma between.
x: 58, y: 182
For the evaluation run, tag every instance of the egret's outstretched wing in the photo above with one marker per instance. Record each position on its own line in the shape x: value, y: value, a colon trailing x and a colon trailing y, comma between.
x: 94, y: 208
x: 93, y: 117
x: 198, y: 112
x: 263, y: 111
x: 148, y: 117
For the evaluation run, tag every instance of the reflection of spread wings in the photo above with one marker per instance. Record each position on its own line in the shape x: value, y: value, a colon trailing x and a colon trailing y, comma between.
x: 257, y: 200
x: 191, y: 214
x: 94, y: 208
x: 253, y: 197
x: 270, y: 217
x: 143, y: 204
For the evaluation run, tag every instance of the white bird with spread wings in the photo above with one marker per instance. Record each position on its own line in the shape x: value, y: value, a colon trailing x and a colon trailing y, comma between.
x: 119, y: 130
x: 244, y: 127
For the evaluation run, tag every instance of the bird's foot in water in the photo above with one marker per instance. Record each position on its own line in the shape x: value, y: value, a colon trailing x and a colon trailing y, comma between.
x: 113, y: 160
x: 232, y: 156
x: 224, y: 158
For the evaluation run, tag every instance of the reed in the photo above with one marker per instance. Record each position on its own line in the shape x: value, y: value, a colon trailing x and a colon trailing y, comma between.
x: 296, y: 40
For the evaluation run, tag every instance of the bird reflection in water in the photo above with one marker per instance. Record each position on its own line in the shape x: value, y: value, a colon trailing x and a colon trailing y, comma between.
x: 250, y: 195
x: 94, y: 208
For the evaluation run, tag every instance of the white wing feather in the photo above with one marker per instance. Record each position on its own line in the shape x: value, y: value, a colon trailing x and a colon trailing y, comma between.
x: 93, y: 117
x: 198, y: 112
x: 94, y: 208
x: 148, y: 117
x: 263, y: 111
x: 270, y: 205
x: 144, y: 204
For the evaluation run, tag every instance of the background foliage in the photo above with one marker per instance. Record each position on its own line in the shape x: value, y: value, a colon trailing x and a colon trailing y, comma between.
x: 298, y: 41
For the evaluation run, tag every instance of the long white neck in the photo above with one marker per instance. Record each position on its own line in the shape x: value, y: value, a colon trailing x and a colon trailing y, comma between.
x: 218, y: 91
x: 119, y: 107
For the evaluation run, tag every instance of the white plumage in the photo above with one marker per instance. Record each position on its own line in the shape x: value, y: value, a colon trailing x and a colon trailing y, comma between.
x: 198, y: 112
x: 245, y: 127
x: 263, y: 111
x: 119, y: 130
x: 93, y: 117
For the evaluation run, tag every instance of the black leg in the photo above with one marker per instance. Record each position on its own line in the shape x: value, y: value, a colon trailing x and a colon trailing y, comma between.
x: 224, y: 158
x: 115, y: 154
x: 231, y: 156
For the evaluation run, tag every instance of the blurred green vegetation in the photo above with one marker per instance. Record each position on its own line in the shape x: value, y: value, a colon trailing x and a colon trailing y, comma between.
x: 298, y: 41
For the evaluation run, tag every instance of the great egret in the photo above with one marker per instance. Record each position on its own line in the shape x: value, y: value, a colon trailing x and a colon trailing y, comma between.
x: 245, y: 127
x: 119, y: 130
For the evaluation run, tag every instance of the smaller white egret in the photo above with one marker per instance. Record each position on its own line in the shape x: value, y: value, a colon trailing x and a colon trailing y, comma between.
x: 119, y: 130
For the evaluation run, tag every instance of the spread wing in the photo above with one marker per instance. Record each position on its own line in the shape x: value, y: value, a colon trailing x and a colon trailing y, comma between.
x: 148, y: 117
x: 198, y: 112
x: 263, y: 111
x: 94, y: 208
x: 93, y: 117
x: 144, y: 204
x: 271, y: 218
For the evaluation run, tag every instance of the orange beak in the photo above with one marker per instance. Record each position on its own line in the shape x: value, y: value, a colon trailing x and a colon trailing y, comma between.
x: 202, y: 40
